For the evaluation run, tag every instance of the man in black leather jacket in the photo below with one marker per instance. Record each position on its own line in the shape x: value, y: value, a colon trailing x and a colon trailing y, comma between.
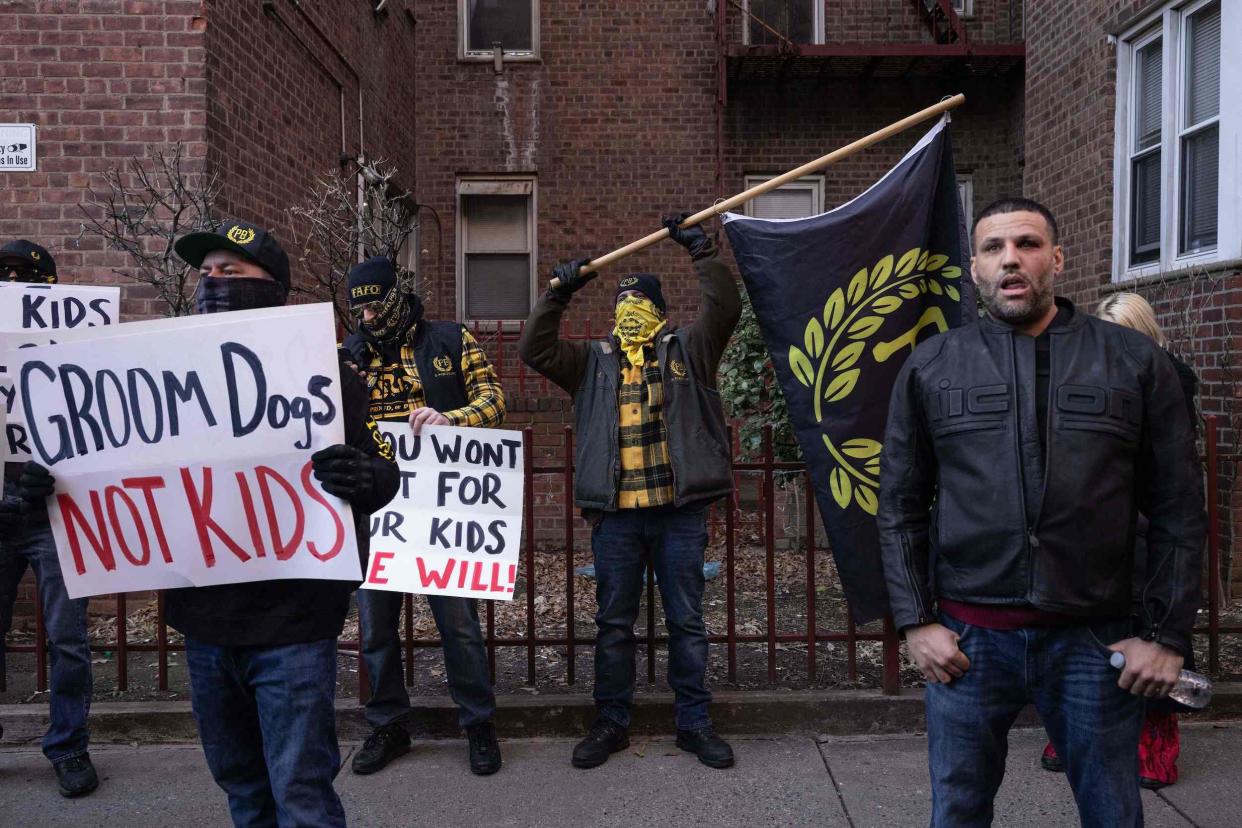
x: 1018, y: 455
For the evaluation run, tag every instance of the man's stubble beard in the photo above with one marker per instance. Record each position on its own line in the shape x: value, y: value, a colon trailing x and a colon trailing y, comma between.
x: 1020, y: 313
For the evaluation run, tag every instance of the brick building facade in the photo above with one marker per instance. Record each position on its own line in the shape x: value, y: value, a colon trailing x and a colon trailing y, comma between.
x: 593, y: 120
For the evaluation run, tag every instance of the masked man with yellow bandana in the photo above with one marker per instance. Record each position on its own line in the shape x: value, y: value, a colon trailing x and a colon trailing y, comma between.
x: 652, y: 453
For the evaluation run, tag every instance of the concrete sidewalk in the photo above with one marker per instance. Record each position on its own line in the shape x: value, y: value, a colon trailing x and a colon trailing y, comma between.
x: 779, y: 781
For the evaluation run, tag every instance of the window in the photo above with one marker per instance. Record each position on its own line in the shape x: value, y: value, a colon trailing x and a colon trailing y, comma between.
x: 496, y: 249
x: 964, y: 8
x: 1174, y: 195
x: 966, y: 194
x: 767, y: 21
x: 797, y: 199
x: 514, y: 24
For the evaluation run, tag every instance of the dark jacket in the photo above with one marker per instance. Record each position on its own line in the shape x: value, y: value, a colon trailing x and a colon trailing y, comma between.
x: 694, y: 420
x: 292, y: 611
x: 968, y: 510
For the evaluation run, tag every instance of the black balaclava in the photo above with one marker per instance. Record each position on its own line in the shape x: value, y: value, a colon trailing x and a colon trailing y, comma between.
x: 374, y: 283
x: 217, y: 294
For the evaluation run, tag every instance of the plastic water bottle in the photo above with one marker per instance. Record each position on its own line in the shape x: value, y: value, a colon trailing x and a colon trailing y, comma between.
x: 1192, y: 689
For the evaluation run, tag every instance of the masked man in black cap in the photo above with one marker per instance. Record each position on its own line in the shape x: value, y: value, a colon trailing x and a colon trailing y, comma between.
x: 28, y: 542
x: 262, y: 655
x: 652, y: 453
x: 426, y: 373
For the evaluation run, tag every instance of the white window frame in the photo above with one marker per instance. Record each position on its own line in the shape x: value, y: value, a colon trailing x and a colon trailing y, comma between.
x: 1168, y: 23
x: 497, y: 185
x: 817, y: 25
x: 813, y: 183
x: 964, y: 8
x: 483, y: 55
x: 966, y: 195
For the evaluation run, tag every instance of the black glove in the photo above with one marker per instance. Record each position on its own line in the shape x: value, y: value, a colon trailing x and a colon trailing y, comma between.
x: 345, y: 472
x: 35, y: 484
x: 693, y: 238
x: 571, y: 280
x: 353, y: 352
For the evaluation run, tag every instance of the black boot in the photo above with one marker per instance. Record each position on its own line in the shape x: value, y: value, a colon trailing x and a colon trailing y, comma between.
x: 605, y: 738
x: 76, y: 776
x: 381, y: 747
x: 484, y: 749
x: 705, y: 744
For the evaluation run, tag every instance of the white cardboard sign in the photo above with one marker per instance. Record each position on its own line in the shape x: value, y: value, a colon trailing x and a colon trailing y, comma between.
x: 40, y: 315
x: 181, y: 450
x: 455, y: 526
x: 27, y: 307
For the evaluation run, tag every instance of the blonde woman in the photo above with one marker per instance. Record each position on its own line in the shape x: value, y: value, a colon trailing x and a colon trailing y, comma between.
x: 1160, y: 744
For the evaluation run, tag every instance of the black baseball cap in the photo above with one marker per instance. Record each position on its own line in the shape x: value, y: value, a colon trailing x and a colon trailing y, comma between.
x: 31, y: 255
x: 243, y: 238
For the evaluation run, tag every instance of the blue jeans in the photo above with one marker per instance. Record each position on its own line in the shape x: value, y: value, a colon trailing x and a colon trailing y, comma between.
x: 675, y: 540
x: 465, y: 657
x: 1093, y: 724
x: 267, y: 720
x: 64, y: 621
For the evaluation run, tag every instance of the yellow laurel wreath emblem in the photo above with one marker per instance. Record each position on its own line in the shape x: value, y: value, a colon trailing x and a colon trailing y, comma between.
x: 678, y: 369
x: 828, y: 361
x: 240, y: 235
x: 442, y: 364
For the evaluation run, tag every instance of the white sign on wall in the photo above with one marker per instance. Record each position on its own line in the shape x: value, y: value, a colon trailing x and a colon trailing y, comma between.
x: 17, y: 147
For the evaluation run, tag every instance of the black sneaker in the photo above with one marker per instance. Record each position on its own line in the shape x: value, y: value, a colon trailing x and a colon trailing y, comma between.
x: 380, y: 748
x: 76, y: 776
x: 705, y: 744
x: 605, y: 738
x: 484, y: 749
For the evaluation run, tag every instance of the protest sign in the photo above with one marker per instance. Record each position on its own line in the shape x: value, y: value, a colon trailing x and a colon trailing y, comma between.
x: 26, y: 307
x: 4, y: 427
x: 455, y: 526
x: 181, y: 449
x: 41, y: 315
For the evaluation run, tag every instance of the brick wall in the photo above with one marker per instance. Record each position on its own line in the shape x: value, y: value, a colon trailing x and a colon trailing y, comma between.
x: 284, y: 105
x: 1069, y: 145
x: 101, y: 80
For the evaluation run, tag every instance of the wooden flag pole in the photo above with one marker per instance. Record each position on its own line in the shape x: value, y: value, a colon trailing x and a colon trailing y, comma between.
x: 759, y: 189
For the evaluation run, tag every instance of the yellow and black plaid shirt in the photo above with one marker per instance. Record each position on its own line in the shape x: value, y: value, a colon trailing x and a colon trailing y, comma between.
x: 646, y: 472
x: 396, y: 390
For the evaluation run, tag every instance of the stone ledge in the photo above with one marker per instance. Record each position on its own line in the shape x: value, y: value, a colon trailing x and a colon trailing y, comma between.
x: 829, y: 713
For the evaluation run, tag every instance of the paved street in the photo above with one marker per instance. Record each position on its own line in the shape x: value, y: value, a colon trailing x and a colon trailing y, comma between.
x: 782, y: 780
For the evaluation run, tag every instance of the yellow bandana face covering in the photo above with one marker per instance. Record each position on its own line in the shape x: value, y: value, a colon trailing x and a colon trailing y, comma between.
x: 638, y: 322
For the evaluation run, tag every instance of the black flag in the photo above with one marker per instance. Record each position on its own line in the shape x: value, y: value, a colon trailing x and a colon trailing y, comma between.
x: 842, y: 298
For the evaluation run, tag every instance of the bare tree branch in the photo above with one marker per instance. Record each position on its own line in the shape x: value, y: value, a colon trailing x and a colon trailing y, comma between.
x: 143, y: 207
x: 346, y: 217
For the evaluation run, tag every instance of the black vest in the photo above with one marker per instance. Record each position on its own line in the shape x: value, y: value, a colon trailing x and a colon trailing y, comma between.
x: 437, y: 354
x: 437, y: 359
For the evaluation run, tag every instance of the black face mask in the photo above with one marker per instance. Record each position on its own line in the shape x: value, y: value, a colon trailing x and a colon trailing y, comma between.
x: 218, y: 295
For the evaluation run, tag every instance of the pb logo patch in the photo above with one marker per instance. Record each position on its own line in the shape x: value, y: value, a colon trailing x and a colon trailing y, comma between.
x: 443, y: 365
x: 34, y: 254
x: 678, y: 368
x: 627, y: 282
x: 240, y: 235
